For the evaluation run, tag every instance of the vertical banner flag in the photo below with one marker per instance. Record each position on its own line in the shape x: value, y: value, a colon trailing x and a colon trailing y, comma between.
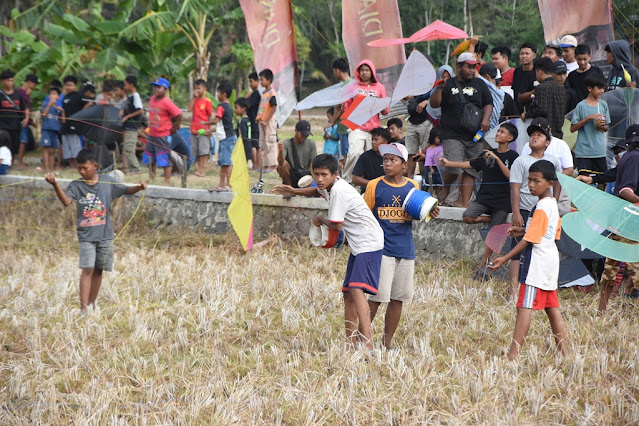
x: 270, y: 29
x: 240, y: 211
x: 590, y: 21
x: 364, y: 21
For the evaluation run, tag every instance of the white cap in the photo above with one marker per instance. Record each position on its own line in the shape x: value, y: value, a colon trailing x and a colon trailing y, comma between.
x: 568, y: 41
x: 467, y: 57
x: 394, y: 148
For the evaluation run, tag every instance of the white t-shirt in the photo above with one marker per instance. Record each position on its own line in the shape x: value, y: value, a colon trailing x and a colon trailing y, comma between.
x: 539, y: 262
x: 558, y: 148
x: 347, y: 206
x: 519, y: 174
x: 572, y: 66
x: 5, y: 155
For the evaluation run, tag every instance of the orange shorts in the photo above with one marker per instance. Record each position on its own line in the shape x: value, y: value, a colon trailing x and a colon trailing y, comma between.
x: 535, y: 298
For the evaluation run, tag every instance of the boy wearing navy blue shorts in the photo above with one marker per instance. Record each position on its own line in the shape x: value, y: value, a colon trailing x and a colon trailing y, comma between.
x: 52, y: 117
x: 224, y: 114
x: 385, y: 196
x: 347, y: 210
x: 539, y: 260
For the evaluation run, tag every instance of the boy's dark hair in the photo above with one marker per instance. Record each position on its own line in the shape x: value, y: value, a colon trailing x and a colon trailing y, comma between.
x: 200, y: 82
x: 330, y: 111
x: 544, y: 65
x: 32, y: 78
x: 502, y: 49
x: 225, y: 88
x: 554, y: 47
x: 341, y: 64
x: 55, y: 89
x: 546, y: 168
x: 267, y: 74
x: 55, y: 83
x: 242, y: 103
x: 132, y: 80
x: 595, y: 80
x: 107, y: 86
x: 396, y: 121
x: 325, y: 161
x: 5, y: 138
x: 434, y: 134
x: 253, y: 76
x: 86, y: 156
x: 582, y: 49
x: 88, y: 87
x: 481, y: 48
x: 72, y: 78
x: 6, y: 74
x: 118, y: 84
x: 384, y: 133
x: 529, y: 46
x: 511, y: 128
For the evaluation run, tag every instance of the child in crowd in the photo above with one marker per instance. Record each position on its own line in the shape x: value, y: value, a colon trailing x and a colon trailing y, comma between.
x: 385, y: 197
x: 132, y: 112
x: 590, y: 120
x: 347, y: 210
x: 522, y: 200
x: 93, y: 195
x: 360, y: 140
x: 493, y: 197
x: 5, y: 152
x: 253, y: 106
x: 576, y: 80
x: 202, y: 109
x: 434, y: 153
x: 30, y: 82
x: 224, y: 113
x: 72, y: 103
x: 539, y: 268
x: 370, y: 164
x: 267, y: 157
x: 52, y: 117
x: 164, y: 121
x: 396, y: 129
x: 331, y: 138
x: 243, y: 129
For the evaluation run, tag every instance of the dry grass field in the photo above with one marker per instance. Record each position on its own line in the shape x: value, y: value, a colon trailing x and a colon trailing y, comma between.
x: 189, y: 330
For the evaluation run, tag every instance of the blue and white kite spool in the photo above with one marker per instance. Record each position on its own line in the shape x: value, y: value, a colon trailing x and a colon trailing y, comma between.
x: 418, y: 204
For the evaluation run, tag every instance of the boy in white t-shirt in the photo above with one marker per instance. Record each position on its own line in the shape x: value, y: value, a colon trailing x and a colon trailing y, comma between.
x: 539, y: 261
x: 347, y: 210
x: 5, y: 152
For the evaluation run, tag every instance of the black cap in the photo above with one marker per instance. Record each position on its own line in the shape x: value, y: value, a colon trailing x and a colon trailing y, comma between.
x: 540, y: 123
x: 632, y: 133
x: 489, y: 69
x: 304, y: 127
x: 621, y: 145
x: 559, y: 67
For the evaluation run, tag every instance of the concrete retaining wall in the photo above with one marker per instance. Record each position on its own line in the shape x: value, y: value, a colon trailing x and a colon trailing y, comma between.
x: 443, y: 238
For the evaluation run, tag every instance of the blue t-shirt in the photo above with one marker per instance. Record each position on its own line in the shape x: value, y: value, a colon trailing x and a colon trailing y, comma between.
x: 51, y: 121
x: 591, y: 143
x: 386, y: 200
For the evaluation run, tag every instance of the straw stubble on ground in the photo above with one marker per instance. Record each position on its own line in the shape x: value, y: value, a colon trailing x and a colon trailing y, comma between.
x: 189, y: 330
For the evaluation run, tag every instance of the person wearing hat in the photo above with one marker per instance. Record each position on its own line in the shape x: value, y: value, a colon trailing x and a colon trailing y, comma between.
x: 385, y: 196
x: 568, y: 43
x: 458, y: 143
x: 521, y: 200
x: 550, y: 97
x: 626, y: 188
x: 164, y: 121
x: 489, y: 74
x: 560, y: 74
x: 295, y: 155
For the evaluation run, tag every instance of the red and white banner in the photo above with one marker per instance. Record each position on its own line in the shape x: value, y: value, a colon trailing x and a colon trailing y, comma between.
x: 365, y: 21
x: 590, y: 21
x: 270, y: 29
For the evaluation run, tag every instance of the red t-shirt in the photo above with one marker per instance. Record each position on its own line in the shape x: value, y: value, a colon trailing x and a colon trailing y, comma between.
x: 202, y: 110
x: 507, y: 77
x: 160, y: 114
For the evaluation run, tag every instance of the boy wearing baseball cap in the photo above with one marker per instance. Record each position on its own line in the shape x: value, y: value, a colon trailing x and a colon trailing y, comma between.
x: 385, y: 197
x: 164, y: 121
x: 568, y: 44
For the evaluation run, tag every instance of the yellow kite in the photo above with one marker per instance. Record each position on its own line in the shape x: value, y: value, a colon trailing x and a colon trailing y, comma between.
x: 240, y: 210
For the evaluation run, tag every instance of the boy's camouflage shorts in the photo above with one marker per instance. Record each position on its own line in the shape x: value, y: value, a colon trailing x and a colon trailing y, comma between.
x: 611, y: 268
